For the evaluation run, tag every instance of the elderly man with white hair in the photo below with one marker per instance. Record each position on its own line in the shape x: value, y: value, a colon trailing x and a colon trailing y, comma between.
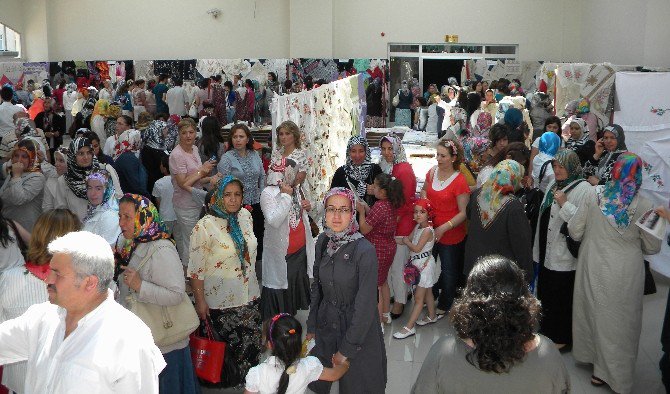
x: 82, y: 340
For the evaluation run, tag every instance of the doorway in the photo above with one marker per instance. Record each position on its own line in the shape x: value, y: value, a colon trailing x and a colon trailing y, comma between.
x: 438, y: 71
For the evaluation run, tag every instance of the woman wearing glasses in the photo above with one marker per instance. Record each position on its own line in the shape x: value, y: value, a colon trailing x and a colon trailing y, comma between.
x: 343, y: 318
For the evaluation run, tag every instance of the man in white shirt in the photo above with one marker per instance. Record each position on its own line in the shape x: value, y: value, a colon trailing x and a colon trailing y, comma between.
x: 82, y: 341
x: 106, y: 93
x: 7, y: 111
x: 177, y: 99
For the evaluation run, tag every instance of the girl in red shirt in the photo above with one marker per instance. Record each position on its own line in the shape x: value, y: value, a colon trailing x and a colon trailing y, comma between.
x: 378, y: 225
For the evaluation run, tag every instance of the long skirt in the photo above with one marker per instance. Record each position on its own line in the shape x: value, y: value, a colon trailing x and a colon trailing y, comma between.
x: 240, y: 328
x: 296, y: 297
x: 187, y: 218
x: 151, y: 159
x: 403, y: 117
x: 178, y: 377
x: 554, y: 290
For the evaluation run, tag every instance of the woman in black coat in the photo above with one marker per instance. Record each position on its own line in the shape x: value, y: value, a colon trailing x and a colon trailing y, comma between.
x: 343, y: 318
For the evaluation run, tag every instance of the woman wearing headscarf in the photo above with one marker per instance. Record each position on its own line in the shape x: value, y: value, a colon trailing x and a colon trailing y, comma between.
x: 102, y: 214
x: 609, y: 283
x: 598, y: 168
x: 288, y: 255
x: 23, y: 189
x: 132, y: 174
x: 98, y: 119
x: 394, y: 162
x: 343, y: 318
x: 223, y: 274
x: 158, y: 137
x: 579, y: 140
x: 72, y: 185
x: 549, y: 144
x: 497, y: 220
x: 556, y: 277
x: 358, y: 172
x: 403, y: 113
x: 152, y: 273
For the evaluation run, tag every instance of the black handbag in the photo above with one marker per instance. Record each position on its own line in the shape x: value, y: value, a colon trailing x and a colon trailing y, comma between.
x: 532, y: 200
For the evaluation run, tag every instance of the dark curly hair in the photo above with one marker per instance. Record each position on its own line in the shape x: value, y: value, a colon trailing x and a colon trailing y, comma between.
x: 497, y: 312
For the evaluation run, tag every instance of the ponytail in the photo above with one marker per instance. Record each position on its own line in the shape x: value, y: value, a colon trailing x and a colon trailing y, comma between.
x: 392, y: 187
x: 285, y: 334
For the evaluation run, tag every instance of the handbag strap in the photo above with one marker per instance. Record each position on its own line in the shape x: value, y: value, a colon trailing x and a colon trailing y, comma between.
x: 543, y: 170
x: 574, y: 185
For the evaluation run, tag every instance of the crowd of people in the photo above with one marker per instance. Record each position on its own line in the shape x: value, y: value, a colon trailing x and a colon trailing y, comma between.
x: 148, y: 204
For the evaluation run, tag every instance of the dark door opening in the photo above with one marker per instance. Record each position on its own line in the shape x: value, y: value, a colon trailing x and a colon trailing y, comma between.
x: 438, y: 71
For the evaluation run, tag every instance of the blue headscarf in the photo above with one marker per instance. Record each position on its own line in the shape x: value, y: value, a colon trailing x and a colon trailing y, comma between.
x: 217, y: 208
x: 513, y: 118
x: 549, y: 143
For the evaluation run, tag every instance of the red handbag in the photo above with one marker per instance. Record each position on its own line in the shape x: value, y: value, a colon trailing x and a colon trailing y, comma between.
x: 207, y: 355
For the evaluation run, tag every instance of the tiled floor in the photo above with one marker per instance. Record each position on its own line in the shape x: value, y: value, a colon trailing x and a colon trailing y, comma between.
x: 405, y: 357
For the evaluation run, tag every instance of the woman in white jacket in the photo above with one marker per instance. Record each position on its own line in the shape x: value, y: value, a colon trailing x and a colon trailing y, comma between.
x: 556, y: 276
x: 288, y: 255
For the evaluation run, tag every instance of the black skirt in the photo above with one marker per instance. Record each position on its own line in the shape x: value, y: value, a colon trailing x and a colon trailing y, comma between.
x: 296, y: 297
x: 555, y: 291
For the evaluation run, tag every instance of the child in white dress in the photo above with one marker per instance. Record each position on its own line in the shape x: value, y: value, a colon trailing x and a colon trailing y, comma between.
x: 420, y: 244
x: 285, y: 372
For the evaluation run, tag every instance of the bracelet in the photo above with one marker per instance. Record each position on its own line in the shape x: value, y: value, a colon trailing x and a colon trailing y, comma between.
x: 451, y: 225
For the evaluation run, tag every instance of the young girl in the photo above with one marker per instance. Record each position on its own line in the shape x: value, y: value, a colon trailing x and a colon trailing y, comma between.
x: 284, y: 371
x: 378, y: 225
x: 420, y: 244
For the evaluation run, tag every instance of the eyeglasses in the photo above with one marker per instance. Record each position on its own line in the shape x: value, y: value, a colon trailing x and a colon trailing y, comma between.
x: 341, y: 211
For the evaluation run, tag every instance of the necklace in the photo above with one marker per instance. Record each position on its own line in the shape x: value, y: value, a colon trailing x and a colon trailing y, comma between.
x: 442, y: 183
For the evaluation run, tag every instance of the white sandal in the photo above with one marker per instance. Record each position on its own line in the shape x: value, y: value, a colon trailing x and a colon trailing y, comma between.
x: 408, y: 332
x: 427, y: 320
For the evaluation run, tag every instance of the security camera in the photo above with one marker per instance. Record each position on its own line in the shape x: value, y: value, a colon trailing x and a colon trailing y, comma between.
x: 214, y: 12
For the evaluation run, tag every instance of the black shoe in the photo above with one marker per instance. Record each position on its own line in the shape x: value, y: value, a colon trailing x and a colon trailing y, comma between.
x: 397, y: 315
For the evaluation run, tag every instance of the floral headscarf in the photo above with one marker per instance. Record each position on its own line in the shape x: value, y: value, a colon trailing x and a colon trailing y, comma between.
x: 129, y: 141
x: 399, y: 155
x: 33, y: 162
x: 616, y: 196
x: 568, y: 159
x: 24, y: 127
x: 148, y: 226
x: 217, y: 208
x: 339, y: 239
x: 75, y: 177
x: 362, y: 171
x: 101, y: 108
x: 499, y: 190
x: 108, y: 202
x: 484, y: 123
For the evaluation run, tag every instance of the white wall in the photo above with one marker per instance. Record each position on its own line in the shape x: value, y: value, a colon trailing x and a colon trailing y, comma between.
x: 540, y: 27
x: 312, y: 28
x: 35, y: 37
x: 618, y: 31
x: 167, y: 29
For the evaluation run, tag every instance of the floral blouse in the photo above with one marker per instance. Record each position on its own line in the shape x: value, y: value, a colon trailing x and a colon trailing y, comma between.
x: 213, y: 258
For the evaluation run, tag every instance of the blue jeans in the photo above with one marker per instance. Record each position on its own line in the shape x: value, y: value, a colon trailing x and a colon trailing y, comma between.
x: 451, y: 264
x: 230, y: 115
x: 178, y: 376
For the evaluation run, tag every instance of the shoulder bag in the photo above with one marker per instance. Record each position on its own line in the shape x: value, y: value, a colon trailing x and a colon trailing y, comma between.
x: 573, y: 246
x: 168, y: 324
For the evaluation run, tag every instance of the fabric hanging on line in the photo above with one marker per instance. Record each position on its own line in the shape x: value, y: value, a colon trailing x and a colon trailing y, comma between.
x: 325, y: 117
x: 144, y: 69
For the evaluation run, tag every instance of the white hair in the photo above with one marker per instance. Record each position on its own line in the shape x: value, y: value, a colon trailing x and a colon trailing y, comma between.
x: 91, y: 255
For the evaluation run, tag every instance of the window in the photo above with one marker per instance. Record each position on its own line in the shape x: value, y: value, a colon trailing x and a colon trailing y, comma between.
x: 10, y: 42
